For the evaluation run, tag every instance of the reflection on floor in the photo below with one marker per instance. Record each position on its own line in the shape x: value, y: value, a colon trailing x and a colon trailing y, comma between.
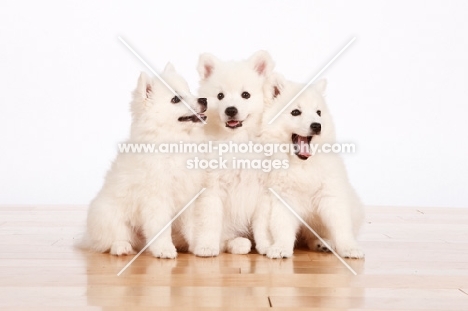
x: 416, y: 259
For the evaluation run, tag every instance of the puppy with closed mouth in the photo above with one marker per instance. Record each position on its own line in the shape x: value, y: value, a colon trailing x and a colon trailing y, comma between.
x: 143, y: 191
x: 225, y: 212
x: 315, y: 185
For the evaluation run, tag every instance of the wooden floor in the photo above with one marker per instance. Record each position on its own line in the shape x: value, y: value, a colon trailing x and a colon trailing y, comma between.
x: 416, y: 259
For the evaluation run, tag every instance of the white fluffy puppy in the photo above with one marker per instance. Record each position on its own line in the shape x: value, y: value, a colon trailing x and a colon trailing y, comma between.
x: 225, y: 211
x: 315, y: 186
x: 143, y: 191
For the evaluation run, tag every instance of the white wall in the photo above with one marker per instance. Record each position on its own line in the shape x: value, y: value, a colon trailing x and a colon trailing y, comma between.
x: 399, y: 92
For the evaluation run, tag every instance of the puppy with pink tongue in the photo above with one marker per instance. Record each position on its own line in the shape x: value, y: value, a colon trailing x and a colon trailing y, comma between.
x: 315, y: 185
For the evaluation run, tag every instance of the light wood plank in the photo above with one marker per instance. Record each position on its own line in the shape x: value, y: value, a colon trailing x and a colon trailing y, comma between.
x: 371, y: 303
x: 416, y: 259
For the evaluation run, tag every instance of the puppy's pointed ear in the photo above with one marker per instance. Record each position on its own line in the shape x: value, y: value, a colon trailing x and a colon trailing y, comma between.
x: 321, y: 86
x: 278, y: 83
x: 144, y: 87
x: 206, y: 65
x: 262, y: 63
x: 274, y: 85
x: 169, y: 68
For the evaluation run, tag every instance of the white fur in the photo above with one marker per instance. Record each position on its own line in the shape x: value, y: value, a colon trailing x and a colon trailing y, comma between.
x: 143, y: 191
x: 317, y: 188
x: 225, y: 211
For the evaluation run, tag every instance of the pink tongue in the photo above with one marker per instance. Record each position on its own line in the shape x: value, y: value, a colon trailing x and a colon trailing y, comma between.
x: 233, y: 123
x: 304, y: 146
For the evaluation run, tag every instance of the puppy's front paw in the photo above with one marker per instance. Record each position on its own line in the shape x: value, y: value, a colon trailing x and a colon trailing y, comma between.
x: 121, y: 248
x: 277, y: 251
x: 239, y: 245
x: 164, y: 251
x: 262, y: 248
x: 319, y: 246
x: 350, y: 252
x: 206, y: 251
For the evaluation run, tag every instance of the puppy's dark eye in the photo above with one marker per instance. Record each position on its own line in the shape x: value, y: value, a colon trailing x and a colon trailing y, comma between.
x: 175, y: 99
x: 220, y: 96
x: 296, y: 112
x: 319, y: 113
x: 245, y: 95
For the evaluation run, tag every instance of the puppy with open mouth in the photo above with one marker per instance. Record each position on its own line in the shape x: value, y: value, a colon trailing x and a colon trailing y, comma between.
x: 226, y: 210
x: 143, y: 191
x: 197, y: 117
x: 302, y: 143
x: 315, y: 185
x: 233, y: 120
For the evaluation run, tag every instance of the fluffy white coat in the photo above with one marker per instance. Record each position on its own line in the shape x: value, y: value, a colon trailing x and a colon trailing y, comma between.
x: 143, y: 191
x: 317, y: 187
x: 225, y: 212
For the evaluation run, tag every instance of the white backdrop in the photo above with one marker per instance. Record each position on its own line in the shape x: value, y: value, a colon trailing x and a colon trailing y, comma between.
x: 399, y: 92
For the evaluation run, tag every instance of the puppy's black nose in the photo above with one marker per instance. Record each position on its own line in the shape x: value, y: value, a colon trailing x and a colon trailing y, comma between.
x: 316, y: 127
x: 203, y: 101
x: 231, y: 111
